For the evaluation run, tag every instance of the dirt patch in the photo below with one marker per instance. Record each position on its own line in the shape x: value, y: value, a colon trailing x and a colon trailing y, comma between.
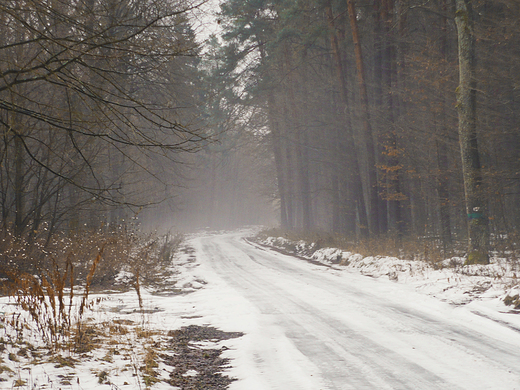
x: 194, y: 366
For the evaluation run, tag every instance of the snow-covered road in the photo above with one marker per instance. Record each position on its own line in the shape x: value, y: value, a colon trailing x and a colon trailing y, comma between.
x: 315, y: 327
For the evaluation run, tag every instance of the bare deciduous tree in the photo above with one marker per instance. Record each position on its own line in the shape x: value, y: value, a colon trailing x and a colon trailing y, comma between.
x: 90, y: 89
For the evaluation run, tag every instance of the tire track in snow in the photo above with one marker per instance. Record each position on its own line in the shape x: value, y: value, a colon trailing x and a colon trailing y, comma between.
x: 473, y: 341
x: 347, y: 355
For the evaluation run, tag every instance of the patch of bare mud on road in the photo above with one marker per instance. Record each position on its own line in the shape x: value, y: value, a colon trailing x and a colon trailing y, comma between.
x: 196, y: 366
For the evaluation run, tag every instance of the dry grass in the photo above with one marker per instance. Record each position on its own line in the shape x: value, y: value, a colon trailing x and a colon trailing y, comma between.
x: 48, y: 299
x: 52, y: 287
x: 43, y: 281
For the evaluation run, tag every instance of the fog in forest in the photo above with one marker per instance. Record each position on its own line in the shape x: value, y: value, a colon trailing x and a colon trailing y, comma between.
x: 380, y: 120
x: 181, y: 179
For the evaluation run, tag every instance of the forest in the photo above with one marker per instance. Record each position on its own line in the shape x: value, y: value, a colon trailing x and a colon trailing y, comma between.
x: 296, y: 194
x: 388, y: 119
x: 372, y: 120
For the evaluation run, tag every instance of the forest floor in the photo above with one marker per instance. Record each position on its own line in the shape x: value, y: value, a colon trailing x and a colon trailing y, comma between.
x: 162, y: 339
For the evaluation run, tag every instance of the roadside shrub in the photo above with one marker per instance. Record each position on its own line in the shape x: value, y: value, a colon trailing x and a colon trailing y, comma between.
x: 51, y: 283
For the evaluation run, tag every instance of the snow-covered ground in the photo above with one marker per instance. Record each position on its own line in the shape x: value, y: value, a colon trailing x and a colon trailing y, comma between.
x: 306, y: 325
x: 450, y: 281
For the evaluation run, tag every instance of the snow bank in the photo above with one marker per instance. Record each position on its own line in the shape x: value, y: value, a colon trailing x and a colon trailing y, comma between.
x: 450, y: 280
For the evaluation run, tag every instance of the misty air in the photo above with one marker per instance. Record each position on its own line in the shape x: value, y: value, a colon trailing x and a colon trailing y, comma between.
x: 259, y: 195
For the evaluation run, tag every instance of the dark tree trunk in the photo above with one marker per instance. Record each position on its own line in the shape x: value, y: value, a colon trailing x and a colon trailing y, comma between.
x: 379, y: 110
x: 354, y: 163
x: 476, y: 204
x: 276, y: 140
x: 19, y: 201
x: 367, y: 127
x: 442, y: 148
x: 302, y: 140
x: 444, y: 193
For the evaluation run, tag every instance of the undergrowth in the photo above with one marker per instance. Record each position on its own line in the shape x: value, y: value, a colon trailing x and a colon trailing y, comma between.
x: 424, y: 248
x: 410, y: 247
x: 51, y: 286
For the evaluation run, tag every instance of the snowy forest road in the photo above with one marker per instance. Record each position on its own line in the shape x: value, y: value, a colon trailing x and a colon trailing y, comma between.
x: 317, y: 327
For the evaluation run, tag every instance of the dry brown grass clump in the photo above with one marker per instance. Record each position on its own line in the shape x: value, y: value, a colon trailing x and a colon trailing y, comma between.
x: 48, y: 299
x: 44, y: 280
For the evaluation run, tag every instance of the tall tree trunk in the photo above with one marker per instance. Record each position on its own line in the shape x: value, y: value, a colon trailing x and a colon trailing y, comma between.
x: 302, y: 145
x: 355, y: 164
x: 379, y: 110
x: 278, y: 143
x: 442, y: 148
x: 368, y: 136
x: 444, y: 193
x: 276, y: 140
x: 476, y: 203
x: 19, y: 201
x: 290, y: 166
x: 389, y: 78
